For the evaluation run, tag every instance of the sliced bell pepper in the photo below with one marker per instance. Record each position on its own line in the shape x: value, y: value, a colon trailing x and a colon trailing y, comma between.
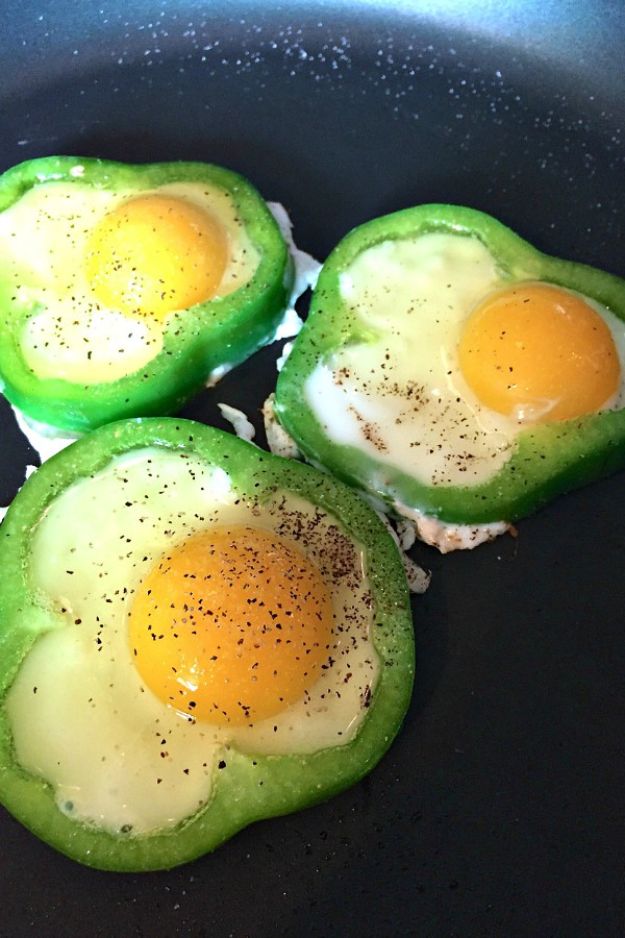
x: 197, y: 341
x: 545, y: 459
x: 252, y: 786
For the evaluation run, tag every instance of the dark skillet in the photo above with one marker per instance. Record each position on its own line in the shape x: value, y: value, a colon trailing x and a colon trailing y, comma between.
x: 499, y: 809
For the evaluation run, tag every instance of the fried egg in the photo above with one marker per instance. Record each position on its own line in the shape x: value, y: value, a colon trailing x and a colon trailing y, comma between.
x: 184, y: 621
x: 100, y: 271
x: 436, y: 382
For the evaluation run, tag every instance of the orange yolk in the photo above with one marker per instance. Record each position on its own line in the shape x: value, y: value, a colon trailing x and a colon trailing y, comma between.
x: 537, y: 352
x: 232, y: 626
x: 155, y: 254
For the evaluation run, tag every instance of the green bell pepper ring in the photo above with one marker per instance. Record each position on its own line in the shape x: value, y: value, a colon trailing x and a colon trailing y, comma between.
x: 221, y: 331
x: 253, y: 786
x: 546, y: 459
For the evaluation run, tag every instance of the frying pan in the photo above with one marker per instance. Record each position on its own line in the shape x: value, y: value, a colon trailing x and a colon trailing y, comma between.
x: 498, y: 811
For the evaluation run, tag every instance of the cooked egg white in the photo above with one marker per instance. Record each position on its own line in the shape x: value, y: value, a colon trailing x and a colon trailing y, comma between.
x: 68, y: 330
x: 446, y: 536
x: 400, y: 395
x: 82, y: 715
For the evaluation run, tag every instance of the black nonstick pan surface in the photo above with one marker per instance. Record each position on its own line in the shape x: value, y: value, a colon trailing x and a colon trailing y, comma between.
x: 499, y: 809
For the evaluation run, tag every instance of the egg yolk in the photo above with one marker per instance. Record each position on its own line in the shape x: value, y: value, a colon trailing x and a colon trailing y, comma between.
x: 155, y: 254
x: 232, y: 626
x: 539, y: 353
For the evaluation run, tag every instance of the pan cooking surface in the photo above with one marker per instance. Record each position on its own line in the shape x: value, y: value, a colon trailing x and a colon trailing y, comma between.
x: 498, y: 810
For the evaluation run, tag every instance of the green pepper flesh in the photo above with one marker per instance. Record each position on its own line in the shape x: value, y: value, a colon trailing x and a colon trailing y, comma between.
x: 547, y: 459
x: 222, y: 331
x: 254, y: 786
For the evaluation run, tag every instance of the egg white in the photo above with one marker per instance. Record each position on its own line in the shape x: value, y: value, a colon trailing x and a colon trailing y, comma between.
x: 81, y: 717
x: 68, y: 333
x: 399, y: 395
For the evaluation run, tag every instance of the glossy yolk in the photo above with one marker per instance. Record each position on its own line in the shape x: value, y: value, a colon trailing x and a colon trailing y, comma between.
x: 232, y: 626
x: 536, y: 352
x: 155, y: 254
